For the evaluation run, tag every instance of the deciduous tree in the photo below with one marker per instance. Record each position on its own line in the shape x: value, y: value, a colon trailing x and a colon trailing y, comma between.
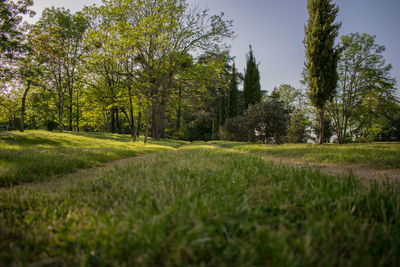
x: 363, y: 75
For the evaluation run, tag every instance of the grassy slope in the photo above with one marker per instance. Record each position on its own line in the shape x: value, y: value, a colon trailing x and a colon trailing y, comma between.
x: 375, y: 155
x: 35, y: 155
x: 200, y: 205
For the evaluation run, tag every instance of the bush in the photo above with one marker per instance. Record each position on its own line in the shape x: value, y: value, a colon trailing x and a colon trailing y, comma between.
x: 267, y: 122
x: 297, y: 130
x: 200, y: 128
x: 235, y: 129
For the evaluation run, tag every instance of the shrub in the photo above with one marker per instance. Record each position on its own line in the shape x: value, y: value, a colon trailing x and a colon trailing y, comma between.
x: 235, y: 129
x: 297, y: 130
x: 267, y: 122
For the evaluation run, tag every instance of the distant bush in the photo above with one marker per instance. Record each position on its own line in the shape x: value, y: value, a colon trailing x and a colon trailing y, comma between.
x: 267, y: 122
x: 235, y: 129
x: 264, y: 122
x: 297, y: 131
x: 200, y: 128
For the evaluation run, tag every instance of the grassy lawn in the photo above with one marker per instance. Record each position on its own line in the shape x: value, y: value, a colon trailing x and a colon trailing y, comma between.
x: 375, y: 155
x: 200, y: 205
x: 35, y: 155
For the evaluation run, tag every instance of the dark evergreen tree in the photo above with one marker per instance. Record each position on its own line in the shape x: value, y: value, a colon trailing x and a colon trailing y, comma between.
x: 233, y: 95
x: 222, y: 109
x: 252, y: 87
x: 321, y: 55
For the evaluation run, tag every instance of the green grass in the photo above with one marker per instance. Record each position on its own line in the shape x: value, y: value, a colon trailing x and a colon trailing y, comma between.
x: 36, y: 155
x: 200, y: 205
x: 375, y: 155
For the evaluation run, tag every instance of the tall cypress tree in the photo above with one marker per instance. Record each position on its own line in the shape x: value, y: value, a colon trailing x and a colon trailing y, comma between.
x: 252, y: 87
x: 321, y: 55
x: 233, y: 95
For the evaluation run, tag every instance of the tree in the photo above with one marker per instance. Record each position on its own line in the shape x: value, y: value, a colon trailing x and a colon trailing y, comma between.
x: 297, y: 131
x: 291, y: 97
x: 235, y: 129
x: 252, y: 87
x: 28, y: 72
x: 363, y: 74
x: 328, y: 128
x: 233, y: 94
x: 155, y: 34
x: 11, y: 30
x: 321, y: 55
x: 58, y: 42
x: 266, y: 122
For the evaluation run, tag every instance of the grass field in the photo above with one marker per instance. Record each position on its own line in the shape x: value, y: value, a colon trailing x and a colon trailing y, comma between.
x: 200, y: 205
x: 375, y: 155
x: 36, y: 155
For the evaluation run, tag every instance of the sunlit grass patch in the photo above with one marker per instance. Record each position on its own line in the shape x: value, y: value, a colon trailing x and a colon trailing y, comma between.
x: 375, y: 155
x: 36, y: 155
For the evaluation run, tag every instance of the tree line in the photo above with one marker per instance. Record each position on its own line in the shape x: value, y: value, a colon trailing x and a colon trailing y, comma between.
x: 161, y: 68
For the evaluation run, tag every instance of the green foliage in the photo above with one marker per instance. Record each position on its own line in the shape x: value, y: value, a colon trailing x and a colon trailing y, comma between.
x: 149, y: 43
x: 291, y: 97
x: 235, y: 129
x: 321, y: 55
x: 50, y: 125
x: 233, y: 95
x: 11, y: 30
x: 328, y: 129
x: 365, y: 87
x: 298, y: 128
x: 252, y: 87
x: 267, y: 122
x: 57, y: 38
x: 205, y: 206
x: 200, y: 127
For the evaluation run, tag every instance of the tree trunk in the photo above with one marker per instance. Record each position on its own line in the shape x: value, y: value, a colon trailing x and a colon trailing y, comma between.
x: 179, y: 113
x: 21, y: 129
x: 154, y: 123
x: 61, y: 113
x: 136, y: 134
x: 70, y: 109
x: 321, y: 125
x: 113, y: 120
x: 147, y: 125
x: 133, y: 129
x: 117, y: 120
x: 77, y: 111
x: 161, y: 122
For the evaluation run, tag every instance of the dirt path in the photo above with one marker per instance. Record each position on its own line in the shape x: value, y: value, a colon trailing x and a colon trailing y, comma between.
x: 332, y: 168
x: 340, y: 169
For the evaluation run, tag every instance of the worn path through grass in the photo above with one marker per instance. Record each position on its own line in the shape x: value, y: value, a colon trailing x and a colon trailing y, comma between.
x: 379, y: 161
x: 38, y: 155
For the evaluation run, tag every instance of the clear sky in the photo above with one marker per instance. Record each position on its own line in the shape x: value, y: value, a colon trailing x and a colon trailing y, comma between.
x: 275, y: 29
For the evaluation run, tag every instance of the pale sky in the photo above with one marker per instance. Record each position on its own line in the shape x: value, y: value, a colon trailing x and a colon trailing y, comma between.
x: 275, y: 29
